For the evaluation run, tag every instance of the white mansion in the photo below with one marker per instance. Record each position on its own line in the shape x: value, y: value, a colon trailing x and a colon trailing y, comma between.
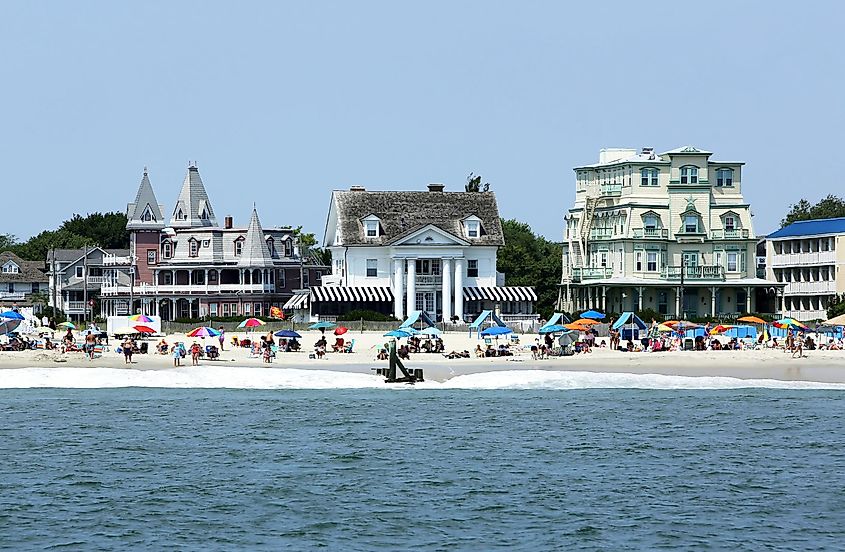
x: 431, y: 251
x: 669, y: 232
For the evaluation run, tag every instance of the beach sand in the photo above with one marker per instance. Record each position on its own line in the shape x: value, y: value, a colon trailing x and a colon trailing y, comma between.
x: 816, y: 366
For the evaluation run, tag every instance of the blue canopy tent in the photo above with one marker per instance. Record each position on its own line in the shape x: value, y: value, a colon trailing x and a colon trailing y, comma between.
x: 477, y: 323
x: 595, y: 315
x: 557, y: 319
x: 416, y: 316
x: 627, y: 323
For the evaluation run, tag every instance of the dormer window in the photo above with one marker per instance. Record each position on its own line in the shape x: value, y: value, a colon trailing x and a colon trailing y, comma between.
x: 193, y: 248
x: 180, y: 214
x: 203, y: 215
x: 271, y: 246
x: 472, y: 227
x: 147, y: 215
x: 371, y: 228
x: 288, y: 248
x: 689, y: 175
x: 724, y: 177
x: 730, y: 223
x: 239, y: 246
x: 166, y: 249
x: 691, y: 224
x: 11, y: 268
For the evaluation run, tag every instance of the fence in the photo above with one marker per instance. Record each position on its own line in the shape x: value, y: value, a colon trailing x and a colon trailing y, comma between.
x: 353, y: 325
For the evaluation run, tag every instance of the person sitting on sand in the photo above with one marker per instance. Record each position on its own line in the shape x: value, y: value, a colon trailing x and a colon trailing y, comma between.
x: 338, y: 345
x: 268, y: 354
x: 479, y: 352
x: 382, y: 353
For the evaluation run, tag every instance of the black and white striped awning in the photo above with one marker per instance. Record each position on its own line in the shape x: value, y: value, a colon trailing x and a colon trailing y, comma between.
x: 298, y: 301
x: 352, y: 294
x: 510, y: 293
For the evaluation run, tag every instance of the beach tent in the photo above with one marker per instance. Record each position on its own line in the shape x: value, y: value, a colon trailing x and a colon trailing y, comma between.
x: 557, y: 319
x: 835, y: 321
x: 477, y: 323
x: 627, y: 323
x: 416, y: 316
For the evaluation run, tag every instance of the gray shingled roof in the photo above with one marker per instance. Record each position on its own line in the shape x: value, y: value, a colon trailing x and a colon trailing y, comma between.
x: 255, y: 252
x: 71, y: 255
x: 192, y: 200
x: 30, y: 271
x: 401, y: 213
x: 144, y: 198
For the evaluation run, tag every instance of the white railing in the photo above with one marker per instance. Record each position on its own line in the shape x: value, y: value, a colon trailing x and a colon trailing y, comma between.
x: 75, y: 306
x: 519, y: 317
x: 96, y: 279
x: 113, y: 260
x: 806, y: 315
x: 824, y: 286
x: 12, y: 296
x: 194, y: 289
x: 797, y: 259
x: 428, y: 279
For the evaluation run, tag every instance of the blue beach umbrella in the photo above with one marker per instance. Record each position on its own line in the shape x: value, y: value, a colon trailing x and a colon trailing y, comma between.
x: 397, y: 333
x: 496, y: 330
x: 595, y: 315
x: 11, y: 315
x: 431, y: 330
x: 554, y: 328
x: 287, y: 333
x: 322, y: 326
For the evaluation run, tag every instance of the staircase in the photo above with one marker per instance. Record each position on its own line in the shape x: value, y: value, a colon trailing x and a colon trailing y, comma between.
x: 587, y: 218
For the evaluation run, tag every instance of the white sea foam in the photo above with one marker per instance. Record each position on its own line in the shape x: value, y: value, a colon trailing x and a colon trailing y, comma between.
x: 288, y: 378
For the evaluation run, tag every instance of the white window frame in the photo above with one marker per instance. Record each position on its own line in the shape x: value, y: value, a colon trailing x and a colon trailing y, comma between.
x: 371, y: 228
x: 732, y: 225
x: 151, y: 256
x: 687, y: 224
x: 473, y: 228
x: 689, y: 174
x: 638, y: 266
x: 735, y: 261
x: 193, y: 248
x: 724, y: 177
x: 648, y: 176
x: 167, y: 249
x: 472, y: 265
x: 656, y: 220
x: 372, y: 268
x: 649, y: 262
x: 238, y: 247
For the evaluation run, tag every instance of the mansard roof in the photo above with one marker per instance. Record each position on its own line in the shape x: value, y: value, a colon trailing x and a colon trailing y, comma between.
x: 193, y: 203
x: 403, y: 212
x: 145, y: 203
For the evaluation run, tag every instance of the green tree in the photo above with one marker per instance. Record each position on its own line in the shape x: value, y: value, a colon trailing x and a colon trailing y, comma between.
x: 7, y: 242
x: 308, y: 242
x: 531, y: 260
x: 107, y: 230
x: 836, y: 306
x: 36, y: 248
x: 474, y: 184
x: 829, y: 207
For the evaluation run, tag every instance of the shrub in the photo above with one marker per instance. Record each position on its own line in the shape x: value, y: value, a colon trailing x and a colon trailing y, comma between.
x: 368, y: 315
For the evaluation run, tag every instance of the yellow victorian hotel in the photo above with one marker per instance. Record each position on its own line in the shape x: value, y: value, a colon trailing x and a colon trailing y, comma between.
x: 669, y: 232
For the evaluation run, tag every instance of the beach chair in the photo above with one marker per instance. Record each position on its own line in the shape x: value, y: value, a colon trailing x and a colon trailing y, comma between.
x: 349, y: 346
x: 98, y: 351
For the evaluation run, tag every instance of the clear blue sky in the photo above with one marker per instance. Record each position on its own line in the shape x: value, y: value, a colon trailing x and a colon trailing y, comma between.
x: 282, y: 102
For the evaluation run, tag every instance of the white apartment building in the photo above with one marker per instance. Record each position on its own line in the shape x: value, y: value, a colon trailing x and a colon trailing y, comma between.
x: 432, y: 251
x: 669, y: 232
x: 808, y: 257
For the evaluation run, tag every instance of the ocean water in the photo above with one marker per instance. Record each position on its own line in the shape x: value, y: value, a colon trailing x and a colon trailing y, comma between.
x: 554, y: 463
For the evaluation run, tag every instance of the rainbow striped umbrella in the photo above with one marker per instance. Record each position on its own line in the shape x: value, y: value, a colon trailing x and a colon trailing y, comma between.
x: 204, y: 331
x: 251, y: 323
x: 140, y: 318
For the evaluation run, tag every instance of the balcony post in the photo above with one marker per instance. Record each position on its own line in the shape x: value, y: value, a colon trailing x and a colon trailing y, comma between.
x: 459, y: 289
x: 398, y: 288
x: 712, y: 301
x: 411, y: 285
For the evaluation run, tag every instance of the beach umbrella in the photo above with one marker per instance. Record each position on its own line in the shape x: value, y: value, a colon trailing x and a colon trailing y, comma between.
x: 554, y: 328
x: 8, y: 325
x: 143, y: 318
x: 322, y: 326
x: 203, y: 331
x: 11, y: 315
x: 576, y: 327
x: 397, y: 333
x: 592, y: 314
x: 409, y: 330
x: 251, y: 323
x: 340, y: 330
x: 751, y: 319
x: 836, y: 321
x: 496, y: 330
x: 785, y: 323
x: 287, y: 333
x: 664, y: 328
x: 720, y: 329
x: 431, y: 330
x: 586, y: 322
x: 144, y: 329
x: 67, y: 325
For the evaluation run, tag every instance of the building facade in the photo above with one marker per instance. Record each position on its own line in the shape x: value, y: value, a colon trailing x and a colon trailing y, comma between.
x: 192, y: 267
x: 808, y: 257
x: 669, y: 232
x: 432, y: 251
x: 21, y: 282
x: 76, y: 277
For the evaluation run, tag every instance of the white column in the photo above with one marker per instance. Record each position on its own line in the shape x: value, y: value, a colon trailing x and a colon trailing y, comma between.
x: 398, y: 288
x: 459, y: 288
x: 446, y: 272
x: 412, y: 285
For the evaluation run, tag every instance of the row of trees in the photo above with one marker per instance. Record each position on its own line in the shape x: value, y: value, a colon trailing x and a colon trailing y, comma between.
x: 104, y: 229
x: 829, y: 207
x: 531, y: 260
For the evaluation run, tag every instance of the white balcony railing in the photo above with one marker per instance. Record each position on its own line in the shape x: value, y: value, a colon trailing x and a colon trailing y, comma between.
x: 428, y: 279
x: 75, y: 306
x: 820, y: 287
x: 115, y: 260
x: 195, y: 289
x: 798, y: 259
x: 12, y: 296
x: 806, y: 315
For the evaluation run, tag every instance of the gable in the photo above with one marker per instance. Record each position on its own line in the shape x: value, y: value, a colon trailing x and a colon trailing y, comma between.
x: 10, y: 267
x: 429, y: 235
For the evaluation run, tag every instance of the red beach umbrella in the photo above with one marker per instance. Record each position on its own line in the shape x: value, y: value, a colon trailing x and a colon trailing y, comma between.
x: 340, y: 330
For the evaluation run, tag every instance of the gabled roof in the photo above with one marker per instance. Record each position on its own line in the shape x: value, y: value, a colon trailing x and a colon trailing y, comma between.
x: 192, y: 200
x: 402, y: 213
x: 691, y: 150
x: 255, y: 252
x: 811, y: 228
x: 408, y: 237
x: 28, y: 271
x: 145, y: 200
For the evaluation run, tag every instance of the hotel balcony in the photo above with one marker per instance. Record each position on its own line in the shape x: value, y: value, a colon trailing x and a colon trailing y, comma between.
x: 601, y: 233
x: 821, y: 287
x: 74, y: 307
x: 108, y: 290
x: 734, y: 234
x: 612, y: 190
x: 798, y: 259
x: 591, y: 273
x: 428, y: 279
x: 12, y: 296
x: 115, y: 260
x: 702, y: 272
x: 651, y: 233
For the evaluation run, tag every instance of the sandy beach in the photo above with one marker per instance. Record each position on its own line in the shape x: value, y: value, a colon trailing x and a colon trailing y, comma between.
x: 815, y: 366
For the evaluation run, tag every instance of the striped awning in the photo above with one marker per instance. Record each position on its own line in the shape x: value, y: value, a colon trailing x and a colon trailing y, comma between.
x: 509, y: 293
x: 351, y: 294
x: 298, y: 301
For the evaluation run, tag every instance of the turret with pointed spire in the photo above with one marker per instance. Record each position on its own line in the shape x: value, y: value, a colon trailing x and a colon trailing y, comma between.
x: 255, y: 252
x: 145, y: 212
x: 193, y: 208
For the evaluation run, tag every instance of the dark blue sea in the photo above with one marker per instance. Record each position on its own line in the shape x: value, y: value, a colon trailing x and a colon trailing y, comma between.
x: 445, y: 469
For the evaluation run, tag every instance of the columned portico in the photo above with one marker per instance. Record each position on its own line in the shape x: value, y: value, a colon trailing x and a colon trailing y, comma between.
x: 459, y: 288
x: 412, y: 285
x: 398, y: 288
x: 447, y: 289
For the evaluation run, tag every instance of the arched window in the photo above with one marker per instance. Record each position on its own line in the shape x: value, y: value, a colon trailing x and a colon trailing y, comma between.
x: 725, y: 177
x: 689, y: 175
x: 271, y: 245
x: 648, y: 177
x: 167, y: 249
x: 239, y: 245
x: 193, y: 248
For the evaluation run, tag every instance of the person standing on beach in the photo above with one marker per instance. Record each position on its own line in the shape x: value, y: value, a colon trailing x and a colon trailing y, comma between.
x: 127, y: 350
x: 195, y: 354
x: 176, y: 351
x: 90, y: 341
x: 222, y: 337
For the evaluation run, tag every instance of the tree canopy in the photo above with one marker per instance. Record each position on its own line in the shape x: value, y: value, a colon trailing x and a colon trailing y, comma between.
x: 829, y: 207
x: 106, y: 230
x: 474, y: 184
x: 531, y: 260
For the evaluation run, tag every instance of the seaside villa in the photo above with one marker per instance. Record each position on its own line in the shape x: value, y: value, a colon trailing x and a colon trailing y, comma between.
x: 669, y: 232
x: 396, y: 252
x: 190, y: 267
x: 806, y: 257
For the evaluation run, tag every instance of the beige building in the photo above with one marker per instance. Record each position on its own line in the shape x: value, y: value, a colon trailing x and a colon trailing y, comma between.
x: 669, y: 232
x: 807, y: 257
